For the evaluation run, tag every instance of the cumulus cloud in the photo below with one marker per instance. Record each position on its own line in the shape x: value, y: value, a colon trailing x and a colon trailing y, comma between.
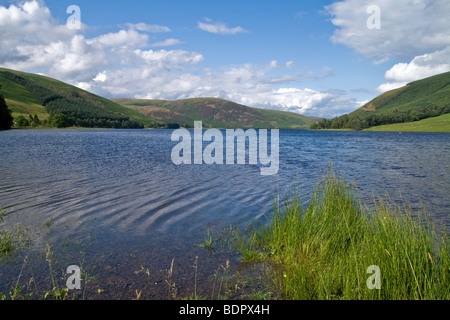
x: 153, y: 28
x: 123, y: 64
x: 166, y: 60
x: 128, y: 38
x: 290, y: 64
x: 408, y: 27
x: 219, y: 28
x: 305, y: 101
x: 101, y: 77
x: 27, y: 27
x: 251, y: 85
x: 420, y: 67
x: 390, y: 86
x: 32, y: 40
x: 410, y: 30
x: 167, y: 43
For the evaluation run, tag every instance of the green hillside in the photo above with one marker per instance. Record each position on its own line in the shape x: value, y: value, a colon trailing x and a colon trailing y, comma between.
x: 422, y: 99
x: 216, y: 113
x: 31, y: 94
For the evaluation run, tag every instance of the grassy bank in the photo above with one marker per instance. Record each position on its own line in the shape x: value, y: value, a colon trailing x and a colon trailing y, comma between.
x: 325, y: 250
x: 435, y: 124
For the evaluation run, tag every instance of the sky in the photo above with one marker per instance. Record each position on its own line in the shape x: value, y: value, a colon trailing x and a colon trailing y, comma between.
x: 314, y: 57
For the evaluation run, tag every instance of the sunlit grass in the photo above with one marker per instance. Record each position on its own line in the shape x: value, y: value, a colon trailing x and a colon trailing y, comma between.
x: 12, y: 239
x: 324, y: 251
x: 435, y: 124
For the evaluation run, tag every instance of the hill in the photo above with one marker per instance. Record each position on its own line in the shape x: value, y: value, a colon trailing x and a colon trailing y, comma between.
x: 216, y: 113
x: 31, y: 94
x: 422, y: 99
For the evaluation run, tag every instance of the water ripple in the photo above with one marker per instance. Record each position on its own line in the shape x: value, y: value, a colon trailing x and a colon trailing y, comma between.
x: 123, y: 184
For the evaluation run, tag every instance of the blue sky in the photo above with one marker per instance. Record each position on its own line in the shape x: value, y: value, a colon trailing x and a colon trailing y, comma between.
x: 317, y: 58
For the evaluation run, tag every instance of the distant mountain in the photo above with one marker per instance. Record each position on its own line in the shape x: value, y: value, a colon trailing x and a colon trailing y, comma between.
x: 31, y: 94
x: 422, y: 99
x: 216, y: 113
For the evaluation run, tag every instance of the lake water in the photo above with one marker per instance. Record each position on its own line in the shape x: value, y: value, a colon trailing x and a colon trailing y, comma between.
x: 99, y: 196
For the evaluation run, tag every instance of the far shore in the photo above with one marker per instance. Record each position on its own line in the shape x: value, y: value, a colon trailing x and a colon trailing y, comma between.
x: 387, y: 128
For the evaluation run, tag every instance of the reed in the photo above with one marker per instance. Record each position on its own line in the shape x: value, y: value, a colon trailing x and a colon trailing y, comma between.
x: 323, y: 250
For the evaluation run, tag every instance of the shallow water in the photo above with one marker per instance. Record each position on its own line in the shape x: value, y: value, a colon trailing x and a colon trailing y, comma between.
x: 107, y: 194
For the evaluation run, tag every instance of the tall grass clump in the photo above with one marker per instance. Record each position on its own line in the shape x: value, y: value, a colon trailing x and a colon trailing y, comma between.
x: 12, y: 239
x: 324, y: 250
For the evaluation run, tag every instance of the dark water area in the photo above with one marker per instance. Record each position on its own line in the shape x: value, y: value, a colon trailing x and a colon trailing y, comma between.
x: 99, y: 196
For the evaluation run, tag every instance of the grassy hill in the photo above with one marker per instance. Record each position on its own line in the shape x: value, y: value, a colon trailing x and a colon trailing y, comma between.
x: 216, y: 113
x: 422, y: 99
x: 31, y: 94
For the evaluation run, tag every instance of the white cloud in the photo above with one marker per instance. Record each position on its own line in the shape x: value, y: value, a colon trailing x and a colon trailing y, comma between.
x: 305, y: 101
x: 167, y: 43
x: 410, y: 30
x: 121, y: 64
x: 290, y: 99
x: 32, y: 40
x: 390, y: 86
x: 250, y: 85
x: 128, y: 38
x: 274, y: 64
x: 84, y: 85
x: 420, y: 67
x: 101, y: 77
x: 166, y: 60
x: 25, y: 27
x: 219, y: 28
x: 27, y: 11
x: 408, y: 27
x: 153, y: 28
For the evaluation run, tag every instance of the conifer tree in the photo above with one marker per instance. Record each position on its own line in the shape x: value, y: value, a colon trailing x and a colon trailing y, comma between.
x: 6, y: 120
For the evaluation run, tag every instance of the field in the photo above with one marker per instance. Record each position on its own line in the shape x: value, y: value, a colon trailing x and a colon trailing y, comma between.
x: 435, y: 124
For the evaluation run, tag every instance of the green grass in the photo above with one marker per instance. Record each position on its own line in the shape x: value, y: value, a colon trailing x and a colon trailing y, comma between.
x: 12, y: 240
x: 6, y: 238
x: 435, y: 124
x: 324, y: 251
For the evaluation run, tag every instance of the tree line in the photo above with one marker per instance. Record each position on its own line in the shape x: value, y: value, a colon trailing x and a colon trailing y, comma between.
x: 367, y: 120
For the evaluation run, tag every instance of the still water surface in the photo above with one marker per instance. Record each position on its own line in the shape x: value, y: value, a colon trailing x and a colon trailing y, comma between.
x: 106, y: 194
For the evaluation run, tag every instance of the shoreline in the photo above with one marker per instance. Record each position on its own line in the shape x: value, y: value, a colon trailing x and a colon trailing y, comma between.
x: 318, y: 130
